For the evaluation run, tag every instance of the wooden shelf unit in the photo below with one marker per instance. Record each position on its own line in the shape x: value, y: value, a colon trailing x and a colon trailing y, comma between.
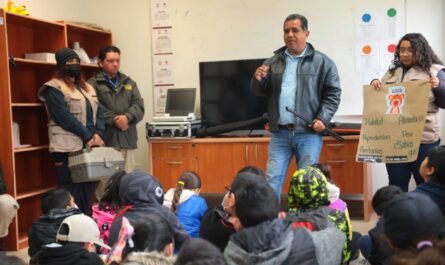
x: 90, y: 39
x: 217, y: 160
x: 28, y: 171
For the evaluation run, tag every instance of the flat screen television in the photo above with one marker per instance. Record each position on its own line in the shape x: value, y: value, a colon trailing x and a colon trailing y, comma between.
x: 225, y: 92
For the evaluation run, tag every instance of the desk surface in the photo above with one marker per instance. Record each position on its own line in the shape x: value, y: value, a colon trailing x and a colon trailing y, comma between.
x: 231, y: 139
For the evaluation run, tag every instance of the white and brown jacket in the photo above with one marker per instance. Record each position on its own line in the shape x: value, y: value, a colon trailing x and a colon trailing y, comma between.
x: 436, y: 100
x: 61, y: 140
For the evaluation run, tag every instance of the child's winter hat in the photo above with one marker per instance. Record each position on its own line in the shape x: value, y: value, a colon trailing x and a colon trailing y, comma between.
x: 308, y: 189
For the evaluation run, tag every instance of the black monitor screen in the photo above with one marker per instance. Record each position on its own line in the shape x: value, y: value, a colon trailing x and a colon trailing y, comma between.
x: 225, y: 92
x: 180, y: 102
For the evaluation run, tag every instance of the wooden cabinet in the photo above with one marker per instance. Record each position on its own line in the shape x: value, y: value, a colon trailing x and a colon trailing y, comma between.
x: 28, y: 171
x: 217, y: 160
x: 211, y: 160
x: 221, y: 160
x: 171, y: 159
x: 340, y: 156
x: 353, y: 178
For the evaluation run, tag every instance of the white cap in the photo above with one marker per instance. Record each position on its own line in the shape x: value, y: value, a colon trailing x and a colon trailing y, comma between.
x: 80, y: 228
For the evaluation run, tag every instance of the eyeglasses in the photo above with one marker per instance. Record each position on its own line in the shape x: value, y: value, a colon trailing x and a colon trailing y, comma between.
x: 407, y: 51
x: 227, y: 190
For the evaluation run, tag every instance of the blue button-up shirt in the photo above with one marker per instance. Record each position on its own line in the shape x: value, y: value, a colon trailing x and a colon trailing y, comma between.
x: 114, y: 82
x: 289, y: 87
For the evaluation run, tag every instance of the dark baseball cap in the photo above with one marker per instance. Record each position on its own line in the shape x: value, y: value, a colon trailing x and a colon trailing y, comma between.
x: 411, y: 215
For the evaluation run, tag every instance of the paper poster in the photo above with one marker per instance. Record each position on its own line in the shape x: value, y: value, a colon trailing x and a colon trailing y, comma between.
x: 160, y: 95
x: 393, y: 121
x: 377, y: 33
x: 367, y: 56
x: 163, y: 70
x: 160, y: 13
x: 367, y: 25
x: 387, y: 47
x: 162, y: 52
x: 162, y: 41
x: 393, y: 23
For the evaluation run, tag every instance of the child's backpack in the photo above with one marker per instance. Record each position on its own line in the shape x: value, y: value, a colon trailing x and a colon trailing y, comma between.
x: 104, y: 219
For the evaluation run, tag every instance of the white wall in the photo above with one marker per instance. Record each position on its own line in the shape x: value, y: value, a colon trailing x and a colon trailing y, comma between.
x: 130, y: 23
x: 426, y: 17
x: 229, y: 30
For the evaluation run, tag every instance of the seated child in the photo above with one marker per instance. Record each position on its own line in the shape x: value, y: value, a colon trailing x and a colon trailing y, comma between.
x: 143, y: 194
x: 199, y: 251
x: 413, y: 222
x: 432, y: 171
x: 152, y: 242
x: 254, y: 170
x: 339, y: 204
x: 76, y: 242
x: 109, y: 205
x: 374, y: 246
x: 216, y: 224
x: 263, y: 238
x: 56, y: 205
x: 334, y: 191
x: 185, y: 202
x: 424, y: 254
x: 308, y: 201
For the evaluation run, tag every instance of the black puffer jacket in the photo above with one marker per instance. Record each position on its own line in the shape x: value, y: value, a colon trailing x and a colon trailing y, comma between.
x: 66, y: 254
x: 318, y: 87
x: 216, y: 228
x: 44, y: 230
x: 146, y: 195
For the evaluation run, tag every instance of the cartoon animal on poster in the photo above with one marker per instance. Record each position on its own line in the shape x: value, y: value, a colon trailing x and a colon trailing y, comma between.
x: 395, y: 100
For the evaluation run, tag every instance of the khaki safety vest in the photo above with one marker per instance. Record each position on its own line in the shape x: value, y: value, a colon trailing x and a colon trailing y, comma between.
x: 61, y: 140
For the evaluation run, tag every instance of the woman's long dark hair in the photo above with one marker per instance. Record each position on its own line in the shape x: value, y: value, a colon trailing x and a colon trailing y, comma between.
x: 111, y: 200
x: 423, y: 54
x: 188, y: 180
x: 61, y: 74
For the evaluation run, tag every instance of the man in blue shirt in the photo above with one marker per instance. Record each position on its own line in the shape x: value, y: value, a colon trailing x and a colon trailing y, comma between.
x: 306, y: 81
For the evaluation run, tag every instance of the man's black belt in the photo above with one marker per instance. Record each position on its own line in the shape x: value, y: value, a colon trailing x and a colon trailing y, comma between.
x: 326, y: 130
x: 288, y: 126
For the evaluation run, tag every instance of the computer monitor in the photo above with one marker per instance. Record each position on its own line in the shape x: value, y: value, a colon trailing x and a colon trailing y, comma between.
x: 180, y: 101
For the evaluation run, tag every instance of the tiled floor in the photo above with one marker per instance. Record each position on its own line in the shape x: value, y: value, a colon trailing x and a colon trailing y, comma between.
x: 357, y: 225
x: 23, y: 254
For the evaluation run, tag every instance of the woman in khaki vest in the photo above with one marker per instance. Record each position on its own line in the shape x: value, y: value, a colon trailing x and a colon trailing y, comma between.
x: 416, y: 60
x: 75, y: 120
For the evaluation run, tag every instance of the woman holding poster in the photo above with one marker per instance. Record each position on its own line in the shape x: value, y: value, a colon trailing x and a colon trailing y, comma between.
x: 415, y: 60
